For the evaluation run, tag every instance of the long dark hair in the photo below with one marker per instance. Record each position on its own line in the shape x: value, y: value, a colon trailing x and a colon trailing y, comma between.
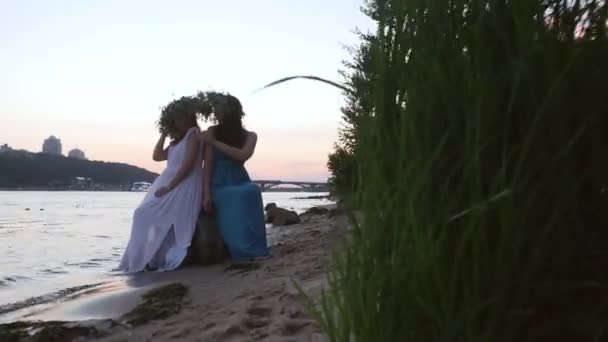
x: 230, y: 131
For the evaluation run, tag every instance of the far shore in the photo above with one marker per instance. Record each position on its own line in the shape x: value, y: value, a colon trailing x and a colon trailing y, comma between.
x: 212, y: 303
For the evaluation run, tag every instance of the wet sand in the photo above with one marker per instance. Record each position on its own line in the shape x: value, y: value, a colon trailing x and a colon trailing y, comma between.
x: 220, y: 304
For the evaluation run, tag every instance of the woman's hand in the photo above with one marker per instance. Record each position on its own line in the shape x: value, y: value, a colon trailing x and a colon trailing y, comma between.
x: 162, y: 191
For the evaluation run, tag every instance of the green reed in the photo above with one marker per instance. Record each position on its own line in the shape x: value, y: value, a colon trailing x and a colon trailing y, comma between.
x: 472, y: 168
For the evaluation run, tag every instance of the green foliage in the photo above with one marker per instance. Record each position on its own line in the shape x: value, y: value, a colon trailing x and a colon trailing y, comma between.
x: 185, y: 105
x: 480, y: 153
x: 342, y: 165
x: 203, y: 105
x: 480, y: 160
x: 357, y: 110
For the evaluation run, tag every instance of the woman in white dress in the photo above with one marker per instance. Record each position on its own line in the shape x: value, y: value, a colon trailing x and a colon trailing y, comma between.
x: 164, y: 222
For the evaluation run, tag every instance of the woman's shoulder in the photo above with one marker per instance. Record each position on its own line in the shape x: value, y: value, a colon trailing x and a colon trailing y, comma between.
x: 251, y: 134
x: 193, y: 133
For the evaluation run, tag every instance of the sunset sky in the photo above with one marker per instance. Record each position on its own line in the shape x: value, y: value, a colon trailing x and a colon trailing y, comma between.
x: 95, y: 73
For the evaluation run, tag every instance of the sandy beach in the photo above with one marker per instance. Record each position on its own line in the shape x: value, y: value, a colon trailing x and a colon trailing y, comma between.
x: 213, y: 303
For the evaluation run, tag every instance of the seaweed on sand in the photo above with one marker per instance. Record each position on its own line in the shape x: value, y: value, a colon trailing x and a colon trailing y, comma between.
x: 159, y: 303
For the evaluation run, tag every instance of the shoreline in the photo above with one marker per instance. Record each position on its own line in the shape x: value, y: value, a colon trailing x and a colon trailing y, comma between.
x: 294, y: 190
x: 220, y: 304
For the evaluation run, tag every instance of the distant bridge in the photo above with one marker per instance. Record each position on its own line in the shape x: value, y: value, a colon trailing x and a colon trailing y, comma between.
x: 266, y: 185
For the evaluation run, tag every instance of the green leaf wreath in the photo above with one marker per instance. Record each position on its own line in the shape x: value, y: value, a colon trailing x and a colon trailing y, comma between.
x: 203, y: 105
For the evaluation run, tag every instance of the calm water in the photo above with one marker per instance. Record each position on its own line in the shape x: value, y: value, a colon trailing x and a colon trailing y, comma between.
x: 54, y: 240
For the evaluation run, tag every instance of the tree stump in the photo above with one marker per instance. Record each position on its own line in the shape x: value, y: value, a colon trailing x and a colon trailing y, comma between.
x: 207, y: 246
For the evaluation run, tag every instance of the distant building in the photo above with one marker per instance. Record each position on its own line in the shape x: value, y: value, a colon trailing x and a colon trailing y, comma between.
x: 52, y: 145
x: 76, y: 153
x: 5, y: 148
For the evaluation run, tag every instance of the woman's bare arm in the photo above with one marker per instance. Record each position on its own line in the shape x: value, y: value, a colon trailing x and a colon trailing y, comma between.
x: 160, y: 152
x: 242, y: 154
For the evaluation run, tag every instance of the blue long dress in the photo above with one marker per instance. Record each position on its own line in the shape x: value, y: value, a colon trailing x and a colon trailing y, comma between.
x: 238, y: 208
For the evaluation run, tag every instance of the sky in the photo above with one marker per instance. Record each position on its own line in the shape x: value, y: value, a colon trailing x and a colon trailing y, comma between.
x: 95, y: 73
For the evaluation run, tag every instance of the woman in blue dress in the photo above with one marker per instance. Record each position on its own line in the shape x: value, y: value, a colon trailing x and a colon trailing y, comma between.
x: 228, y: 190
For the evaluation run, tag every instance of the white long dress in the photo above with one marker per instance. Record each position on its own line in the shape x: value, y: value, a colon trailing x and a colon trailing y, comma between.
x: 163, y: 227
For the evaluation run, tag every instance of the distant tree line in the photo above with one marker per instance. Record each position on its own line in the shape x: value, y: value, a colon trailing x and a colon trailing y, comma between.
x: 24, y: 169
